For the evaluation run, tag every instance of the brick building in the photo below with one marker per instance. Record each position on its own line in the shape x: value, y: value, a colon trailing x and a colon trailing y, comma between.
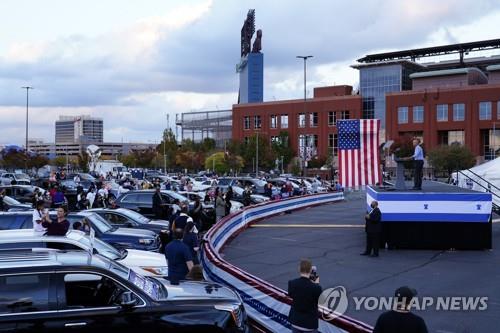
x: 448, y: 106
x: 311, y: 125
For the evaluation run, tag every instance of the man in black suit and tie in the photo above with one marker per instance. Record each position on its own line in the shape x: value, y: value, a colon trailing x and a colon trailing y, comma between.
x: 373, y: 229
x: 305, y: 292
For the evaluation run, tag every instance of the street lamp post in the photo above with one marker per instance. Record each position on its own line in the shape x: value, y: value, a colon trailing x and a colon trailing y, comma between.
x: 257, y: 155
x: 305, y: 99
x: 27, y: 103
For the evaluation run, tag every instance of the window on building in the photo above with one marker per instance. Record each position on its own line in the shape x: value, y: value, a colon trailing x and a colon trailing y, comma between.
x: 313, y: 119
x: 484, y: 110
x: 332, y: 118
x: 456, y: 137
x: 402, y: 115
x: 275, y: 139
x: 274, y: 121
x: 418, y: 114
x: 246, y: 122
x: 333, y: 144
x: 284, y: 121
x: 345, y: 114
x: 257, y: 122
x: 246, y: 140
x: 459, y: 112
x: 442, y: 112
x: 302, y: 120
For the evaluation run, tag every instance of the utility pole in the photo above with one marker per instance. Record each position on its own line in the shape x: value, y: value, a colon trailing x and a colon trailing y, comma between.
x: 305, y: 100
x: 257, y: 156
x: 164, y: 154
x: 27, y: 104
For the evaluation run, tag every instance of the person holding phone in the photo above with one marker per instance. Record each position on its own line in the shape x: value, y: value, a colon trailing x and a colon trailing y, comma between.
x: 40, y: 215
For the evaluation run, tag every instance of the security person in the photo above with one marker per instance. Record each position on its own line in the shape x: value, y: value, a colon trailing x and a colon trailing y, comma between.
x: 373, y: 230
x: 179, y: 258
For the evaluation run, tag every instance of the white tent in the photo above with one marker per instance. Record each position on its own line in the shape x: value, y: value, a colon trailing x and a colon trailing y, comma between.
x: 480, y: 175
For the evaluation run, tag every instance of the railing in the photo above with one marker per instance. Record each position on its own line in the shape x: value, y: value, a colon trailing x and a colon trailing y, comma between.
x: 266, y: 305
x: 496, y: 207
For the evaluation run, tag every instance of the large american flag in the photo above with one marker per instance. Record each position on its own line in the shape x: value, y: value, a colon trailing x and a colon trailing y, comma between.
x: 359, y: 160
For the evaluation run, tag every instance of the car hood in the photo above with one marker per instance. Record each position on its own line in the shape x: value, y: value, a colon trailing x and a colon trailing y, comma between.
x: 187, y: 290
x: 162, y: 223
x: 258, y: 196
x: 136, y: 259
x: 130, y: 232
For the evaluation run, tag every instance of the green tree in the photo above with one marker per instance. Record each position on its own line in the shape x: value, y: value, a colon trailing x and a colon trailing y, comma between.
x: 217, y: 162
x: 169, y: 143
x: 83, y: 162
x: 451, y: 158
x: 207, y: 145
x: 282, y: 147
x: 267, y: 157
x: 190, y: 160
x: 128, y: 160
x: 37, y: 161
x: 59, y: 161
x: 145, y: 158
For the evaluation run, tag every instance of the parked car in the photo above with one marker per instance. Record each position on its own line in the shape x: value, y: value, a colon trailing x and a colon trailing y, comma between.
x: 120, y: 238
x: 12, y: 204
x: 73, y: 291
x: 257, y: 185
x: 235, y: 205
x: 18, y: 178
x: 254, y: 198
x: 279, y: 182
x: 22, y: 193
x: 122, y: 217
x: 143, y: 262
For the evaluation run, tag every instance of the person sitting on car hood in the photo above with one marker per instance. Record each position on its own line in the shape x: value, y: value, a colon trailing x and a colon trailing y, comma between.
x: 179, y: 258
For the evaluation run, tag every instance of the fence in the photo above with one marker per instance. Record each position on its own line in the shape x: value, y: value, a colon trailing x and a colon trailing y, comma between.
x: 266, y: 305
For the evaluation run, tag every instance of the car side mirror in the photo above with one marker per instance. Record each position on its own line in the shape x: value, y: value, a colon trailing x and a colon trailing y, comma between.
x: 127, y: 299
x: 129, y: 225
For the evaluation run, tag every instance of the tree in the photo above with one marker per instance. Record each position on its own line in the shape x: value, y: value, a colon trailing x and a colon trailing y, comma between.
x: 267, y: 157
x: 144, y: 158
x: 12, y: 158
x: 217, y: 162
x: 282, y: 147
x: 450, y: 158
x: 169, y: 143
x: 59, y: 161
x: 128, y: 160
x: 83, y: 162
x: 190, y: 160
x: 207, y: 145
x: 37, y: 161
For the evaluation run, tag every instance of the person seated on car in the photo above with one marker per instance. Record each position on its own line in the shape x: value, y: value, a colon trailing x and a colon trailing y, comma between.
x: 182, y: 219
x: 179, y: 258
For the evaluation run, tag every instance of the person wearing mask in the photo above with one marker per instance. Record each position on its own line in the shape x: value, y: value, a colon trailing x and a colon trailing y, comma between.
x: 227, y: 198
x: 179, y: 258
x: 40, y: 215
x: 59, y: 227
x: 305, y: 292
x: 220, y: 206
x: 373, y: 229
x: 401, y: 319
x: 191, y: 240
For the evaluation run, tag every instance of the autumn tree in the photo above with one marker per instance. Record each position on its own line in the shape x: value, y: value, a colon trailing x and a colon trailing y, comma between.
x: 451, y: 158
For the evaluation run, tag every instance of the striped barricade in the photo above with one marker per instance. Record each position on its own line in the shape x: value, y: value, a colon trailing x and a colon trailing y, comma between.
x: 266, y: 305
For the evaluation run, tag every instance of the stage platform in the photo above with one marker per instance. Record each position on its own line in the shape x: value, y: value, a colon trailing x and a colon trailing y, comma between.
x: 440, y: 216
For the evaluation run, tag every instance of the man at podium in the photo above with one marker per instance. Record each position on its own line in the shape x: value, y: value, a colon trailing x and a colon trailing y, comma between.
x: 418, y: 159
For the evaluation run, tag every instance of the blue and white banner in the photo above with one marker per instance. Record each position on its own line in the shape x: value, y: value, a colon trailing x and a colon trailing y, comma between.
x: 431, y: 207
x: 264, y: 303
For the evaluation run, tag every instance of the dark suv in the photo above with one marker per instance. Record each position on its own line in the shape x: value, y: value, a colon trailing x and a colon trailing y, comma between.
x: 65, y: 291
x: 120, y: 238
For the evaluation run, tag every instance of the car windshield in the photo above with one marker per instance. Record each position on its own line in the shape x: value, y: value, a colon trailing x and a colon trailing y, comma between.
x: 22, y: 176
x: 135, y: 216
x: 259, y: 182
x: 225, y: 182
x: 103, y: 248
x: 10, y: 201
x: 177, y: 196
x: 237, y: 190
x: 100, y: 223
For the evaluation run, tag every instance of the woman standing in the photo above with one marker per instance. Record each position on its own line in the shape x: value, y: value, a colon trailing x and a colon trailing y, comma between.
x: 61, y: 226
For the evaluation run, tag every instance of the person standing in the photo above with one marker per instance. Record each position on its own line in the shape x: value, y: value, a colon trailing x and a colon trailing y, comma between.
x: 305, y: 294
x: 227, y: 198
x: 40, y: 215
x: 247, y: 196
x: 220, y: 205
x: 418, y: 160
x: 191, y: 240
x: 61, y: 226
x: 2, y: 204
x: 158, y: 204
x: 401, y: 319
x: 179, y: 258
x: 373, y: 229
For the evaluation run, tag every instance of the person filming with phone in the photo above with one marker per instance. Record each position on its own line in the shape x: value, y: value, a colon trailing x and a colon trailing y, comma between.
x: 305, y: 292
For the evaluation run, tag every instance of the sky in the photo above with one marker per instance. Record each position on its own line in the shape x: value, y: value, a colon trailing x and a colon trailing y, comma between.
x: 133, y: 62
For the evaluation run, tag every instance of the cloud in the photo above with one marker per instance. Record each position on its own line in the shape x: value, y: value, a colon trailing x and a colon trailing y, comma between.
x: 184, y: 59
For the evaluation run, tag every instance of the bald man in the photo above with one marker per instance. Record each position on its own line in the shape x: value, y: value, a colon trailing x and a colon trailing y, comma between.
x: 373, y: 230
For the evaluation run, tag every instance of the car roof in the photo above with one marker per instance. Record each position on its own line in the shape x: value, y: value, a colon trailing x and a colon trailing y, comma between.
x: 21, y: 235
x: 27, y: 259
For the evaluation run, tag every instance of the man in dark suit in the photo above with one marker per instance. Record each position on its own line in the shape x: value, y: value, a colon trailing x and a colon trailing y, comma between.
x: 373, y: 229
x: 305, y: 292
x: 158, y: 204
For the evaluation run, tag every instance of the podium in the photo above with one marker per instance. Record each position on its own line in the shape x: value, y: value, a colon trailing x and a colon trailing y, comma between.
x: 400, y: 174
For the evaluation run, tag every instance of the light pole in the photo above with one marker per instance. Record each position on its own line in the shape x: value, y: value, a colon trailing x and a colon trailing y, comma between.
x: 27, y: 103
x: 305, y: 98
x: 257, y: 156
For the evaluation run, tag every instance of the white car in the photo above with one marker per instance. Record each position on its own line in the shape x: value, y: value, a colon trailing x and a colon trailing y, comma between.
x: 142, y: 262
x: 19, y: 178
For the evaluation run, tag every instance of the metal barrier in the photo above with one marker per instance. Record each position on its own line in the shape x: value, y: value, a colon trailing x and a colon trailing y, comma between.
x: 266, y: 305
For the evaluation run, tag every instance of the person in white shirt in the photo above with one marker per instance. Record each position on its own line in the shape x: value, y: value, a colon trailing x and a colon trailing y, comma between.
x: 91, y: 197
x: 40, y: 215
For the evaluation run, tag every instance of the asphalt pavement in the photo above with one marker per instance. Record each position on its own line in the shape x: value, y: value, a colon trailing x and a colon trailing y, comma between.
x: 332, y: 236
